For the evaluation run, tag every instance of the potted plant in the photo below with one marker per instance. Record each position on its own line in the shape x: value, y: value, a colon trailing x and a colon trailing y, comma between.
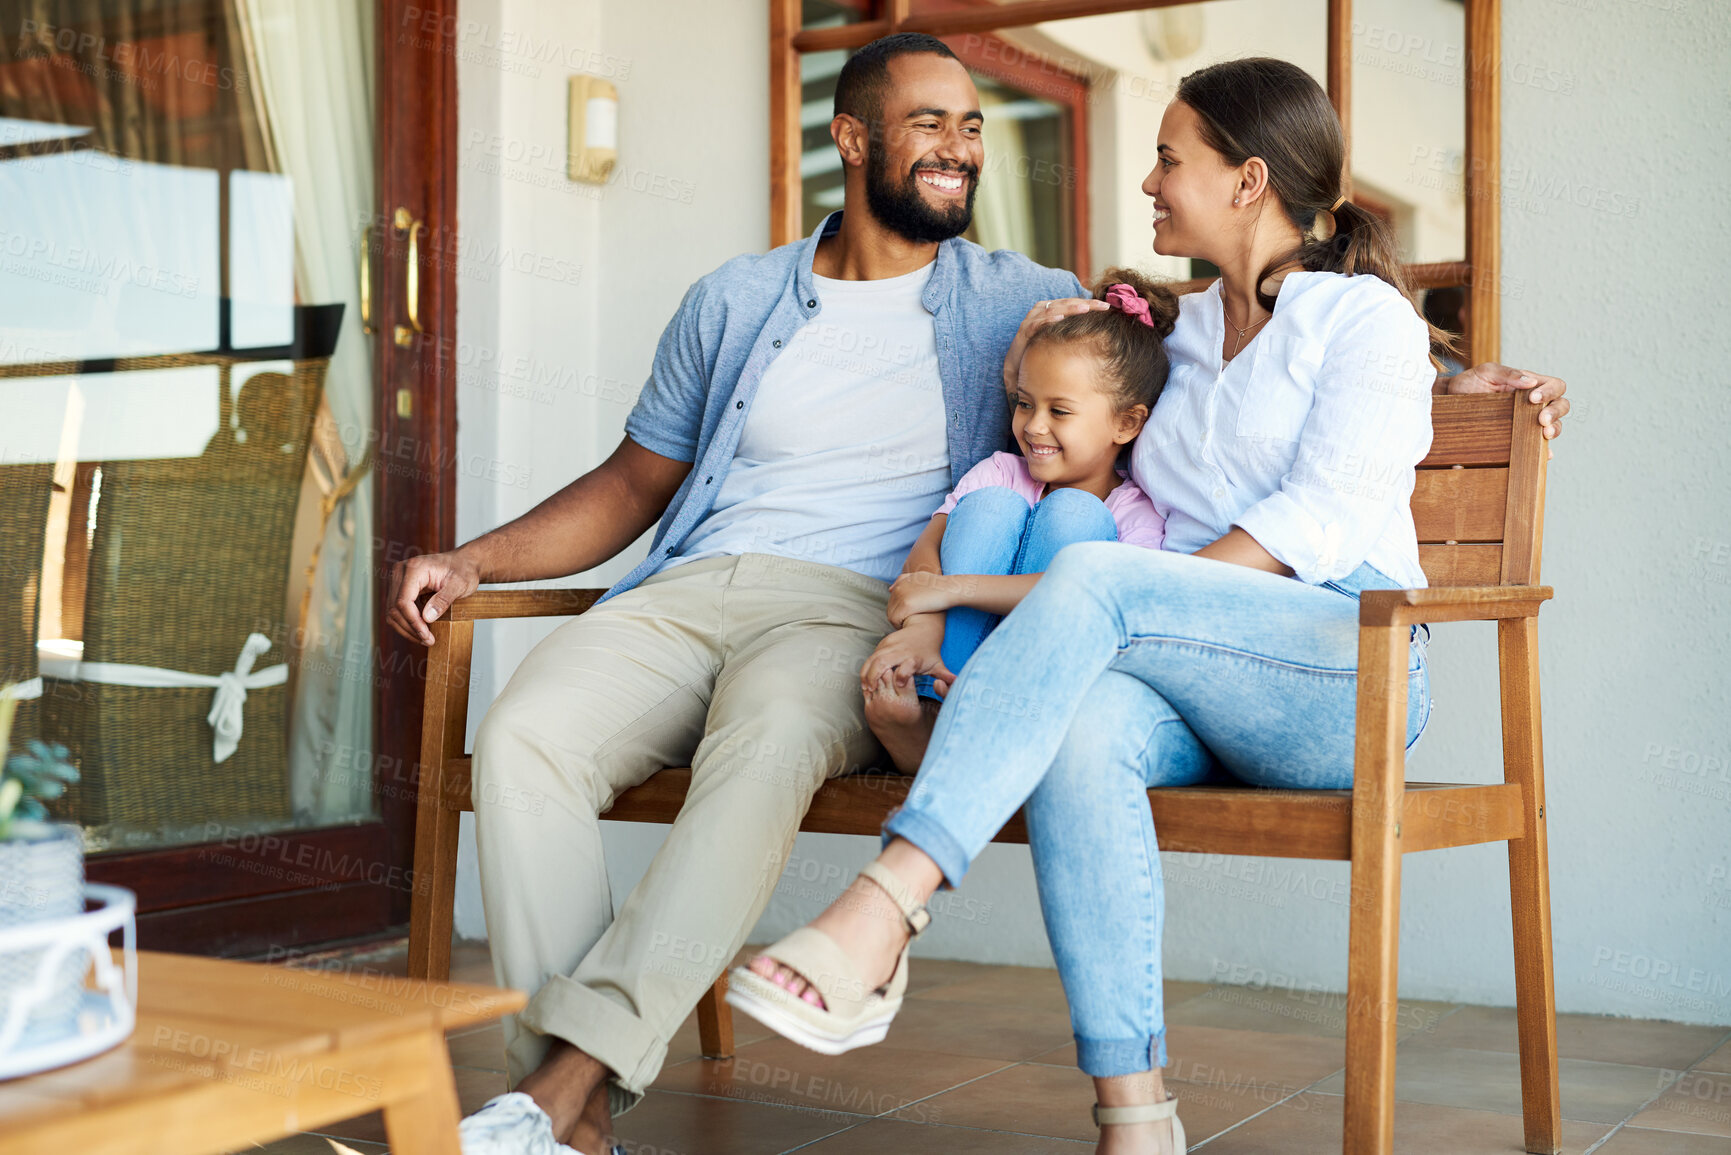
x: 41, y: 871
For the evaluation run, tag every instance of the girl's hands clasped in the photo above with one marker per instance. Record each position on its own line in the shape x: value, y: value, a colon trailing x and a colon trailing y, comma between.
x: 920, y: 592
x: 913, y: 649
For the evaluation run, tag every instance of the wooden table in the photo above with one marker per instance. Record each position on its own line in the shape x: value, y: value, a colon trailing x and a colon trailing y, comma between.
x: 227, y: 1054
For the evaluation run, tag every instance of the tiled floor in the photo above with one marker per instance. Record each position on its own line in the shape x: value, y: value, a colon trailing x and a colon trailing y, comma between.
x: 981, y: 1061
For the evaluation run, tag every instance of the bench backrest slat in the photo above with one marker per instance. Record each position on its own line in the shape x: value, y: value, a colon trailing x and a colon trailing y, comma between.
x: 1478, y: 498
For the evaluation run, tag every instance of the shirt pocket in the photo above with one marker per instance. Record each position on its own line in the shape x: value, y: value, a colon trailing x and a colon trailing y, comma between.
x: 1282, y: 385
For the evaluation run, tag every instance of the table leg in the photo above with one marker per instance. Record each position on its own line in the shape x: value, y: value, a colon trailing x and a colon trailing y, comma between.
x: 427, y: 1122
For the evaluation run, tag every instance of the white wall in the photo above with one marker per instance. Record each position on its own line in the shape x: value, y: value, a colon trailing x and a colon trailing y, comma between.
x: 1613, y: 161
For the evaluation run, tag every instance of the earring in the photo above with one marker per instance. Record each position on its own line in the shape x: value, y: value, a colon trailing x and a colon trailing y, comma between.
x: 1234, y: 200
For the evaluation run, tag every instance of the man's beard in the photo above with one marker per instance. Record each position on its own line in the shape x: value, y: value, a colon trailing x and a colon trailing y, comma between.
x: 899, y: 207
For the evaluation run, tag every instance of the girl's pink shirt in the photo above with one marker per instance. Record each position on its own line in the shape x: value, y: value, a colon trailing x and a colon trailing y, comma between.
x: 1138, y: 523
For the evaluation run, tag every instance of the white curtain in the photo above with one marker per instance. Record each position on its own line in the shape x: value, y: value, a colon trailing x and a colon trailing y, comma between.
x: 312, y: 71
x: 1004, y: 205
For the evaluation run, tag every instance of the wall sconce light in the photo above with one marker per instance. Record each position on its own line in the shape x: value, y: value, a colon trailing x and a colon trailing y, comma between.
x: 594, y: 129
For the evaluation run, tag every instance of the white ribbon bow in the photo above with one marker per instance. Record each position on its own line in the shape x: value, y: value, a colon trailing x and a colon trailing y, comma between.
x: 231, y: 686
x: 23, y: 691
x: 225, y: 707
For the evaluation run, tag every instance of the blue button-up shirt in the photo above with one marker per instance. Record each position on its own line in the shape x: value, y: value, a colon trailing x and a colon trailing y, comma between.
x: 735, y: 321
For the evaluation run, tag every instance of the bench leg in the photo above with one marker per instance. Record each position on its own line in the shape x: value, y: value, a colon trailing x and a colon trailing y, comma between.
x: 427, y: 1122
x: 432, y: 903
x: 1530, y: 888
x: 715, y: 1022
x: 432, y: 906
x: 1378, y: 800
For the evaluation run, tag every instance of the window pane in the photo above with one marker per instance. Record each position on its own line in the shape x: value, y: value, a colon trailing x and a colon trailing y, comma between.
x: 1132, y: 63
x: 1409, y: 121
x: 828, y: 13
x: 183, y: 379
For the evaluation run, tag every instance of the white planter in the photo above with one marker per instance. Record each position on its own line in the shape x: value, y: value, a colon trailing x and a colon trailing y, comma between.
x: 42, y: 879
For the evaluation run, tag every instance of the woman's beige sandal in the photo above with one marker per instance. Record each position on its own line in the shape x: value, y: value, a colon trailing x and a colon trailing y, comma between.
x: 853, y: 1015
x: 1144, y: 1113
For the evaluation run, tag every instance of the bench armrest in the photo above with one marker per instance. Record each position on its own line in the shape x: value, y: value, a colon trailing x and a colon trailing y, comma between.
x: 543, y: 603
x: 1450, y: 604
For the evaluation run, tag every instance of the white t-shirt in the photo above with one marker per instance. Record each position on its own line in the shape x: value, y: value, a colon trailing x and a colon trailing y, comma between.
x: 844, y: 454
x: 1307, y: 439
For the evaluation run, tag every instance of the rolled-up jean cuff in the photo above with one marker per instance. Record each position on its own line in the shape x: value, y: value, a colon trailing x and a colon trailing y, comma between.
x: 1109, y: 1058
x: 930, y: 836
x: 601, y: 1029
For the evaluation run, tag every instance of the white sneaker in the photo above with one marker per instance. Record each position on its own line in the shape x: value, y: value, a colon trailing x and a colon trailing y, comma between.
x: 510, y: 1124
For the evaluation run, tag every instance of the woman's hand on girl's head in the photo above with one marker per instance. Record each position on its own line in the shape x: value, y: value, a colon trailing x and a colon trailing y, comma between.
x: 1040, y: 314
x: 919, y: 592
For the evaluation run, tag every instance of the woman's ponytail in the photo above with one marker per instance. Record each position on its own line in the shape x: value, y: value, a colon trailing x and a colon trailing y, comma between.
x: 1275, y: 110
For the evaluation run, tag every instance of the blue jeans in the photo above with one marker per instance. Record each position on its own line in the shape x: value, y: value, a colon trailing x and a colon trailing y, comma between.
x: 993, y: 531
x: 1127, y: 668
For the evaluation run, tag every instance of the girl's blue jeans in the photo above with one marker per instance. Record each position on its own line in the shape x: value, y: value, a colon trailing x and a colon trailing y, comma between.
x: 1127, y: 668
x: 993, y: 531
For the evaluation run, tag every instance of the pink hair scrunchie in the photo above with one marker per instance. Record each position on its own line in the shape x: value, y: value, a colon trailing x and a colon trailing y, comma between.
x: 1126, y: 299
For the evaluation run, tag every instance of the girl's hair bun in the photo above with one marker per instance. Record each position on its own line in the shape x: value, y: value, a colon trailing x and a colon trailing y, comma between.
x: 1162, y: 301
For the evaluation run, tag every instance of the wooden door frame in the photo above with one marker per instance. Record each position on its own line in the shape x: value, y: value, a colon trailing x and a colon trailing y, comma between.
x: 415, y: 487
x: 1480, y: 270
x: 282, y: 893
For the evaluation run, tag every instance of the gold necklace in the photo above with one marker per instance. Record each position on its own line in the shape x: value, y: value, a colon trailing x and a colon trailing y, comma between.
x: 1236, y: 345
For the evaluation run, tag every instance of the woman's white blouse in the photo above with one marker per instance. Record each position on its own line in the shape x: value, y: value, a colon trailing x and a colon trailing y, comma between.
x: 1307, y: 439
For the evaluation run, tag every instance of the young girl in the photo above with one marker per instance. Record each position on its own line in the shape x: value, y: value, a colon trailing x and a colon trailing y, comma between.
x: 1087, y: 384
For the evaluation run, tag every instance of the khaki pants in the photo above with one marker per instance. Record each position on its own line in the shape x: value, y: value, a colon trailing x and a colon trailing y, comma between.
x: 747, y: 669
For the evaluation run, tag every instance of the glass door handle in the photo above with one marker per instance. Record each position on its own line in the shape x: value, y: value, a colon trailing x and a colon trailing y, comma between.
x: 404, y: 222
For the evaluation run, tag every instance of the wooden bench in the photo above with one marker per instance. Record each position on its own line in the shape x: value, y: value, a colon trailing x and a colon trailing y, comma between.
x: 1478, y: 504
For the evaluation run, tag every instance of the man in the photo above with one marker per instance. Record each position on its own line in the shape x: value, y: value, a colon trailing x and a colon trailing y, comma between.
x: 806, y: 412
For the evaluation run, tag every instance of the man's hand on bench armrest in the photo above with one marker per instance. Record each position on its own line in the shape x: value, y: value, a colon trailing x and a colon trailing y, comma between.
x: 448, y: 576
x: 1489, y: 377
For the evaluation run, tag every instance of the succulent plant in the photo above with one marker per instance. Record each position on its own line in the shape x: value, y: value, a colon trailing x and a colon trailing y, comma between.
x: 37, y: 774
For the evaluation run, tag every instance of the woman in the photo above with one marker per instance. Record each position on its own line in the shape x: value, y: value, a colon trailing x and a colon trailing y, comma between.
x: 1282, y: 449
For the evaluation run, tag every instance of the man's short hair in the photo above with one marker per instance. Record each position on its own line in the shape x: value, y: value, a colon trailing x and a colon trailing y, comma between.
x: 859, y: 91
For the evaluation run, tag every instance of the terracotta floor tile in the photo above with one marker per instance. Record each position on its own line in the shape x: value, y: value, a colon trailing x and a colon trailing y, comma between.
x: 686, y: 1044
x: 1031, y: 988
x: 1213, y: 1056
x: 1177, y: 993
x: 985, y: 1030
x: 1699, y: 1102
x: 924, y: 974
x: 1719, y: 1060
x: 471, y: 962
x: 877, y: 1136
x: 869, y: 1081
x: 483, y: 1047
x: 1639, y: 1042
x: 669, y: 1124
x: 1311, y: 1125
x: 1045, y: 1100
x: 1290, y: 1011
x: 1491, y: 1081
x: 1030, y: 1099
x: 474, y: 1087
x: 1639, y: 1141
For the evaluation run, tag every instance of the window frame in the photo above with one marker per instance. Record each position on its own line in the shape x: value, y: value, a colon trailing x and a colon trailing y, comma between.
x: 1480, y: 271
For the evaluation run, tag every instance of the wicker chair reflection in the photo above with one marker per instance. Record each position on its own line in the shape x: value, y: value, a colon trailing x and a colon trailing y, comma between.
x: 189, y: 557
x: 24, y: 494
